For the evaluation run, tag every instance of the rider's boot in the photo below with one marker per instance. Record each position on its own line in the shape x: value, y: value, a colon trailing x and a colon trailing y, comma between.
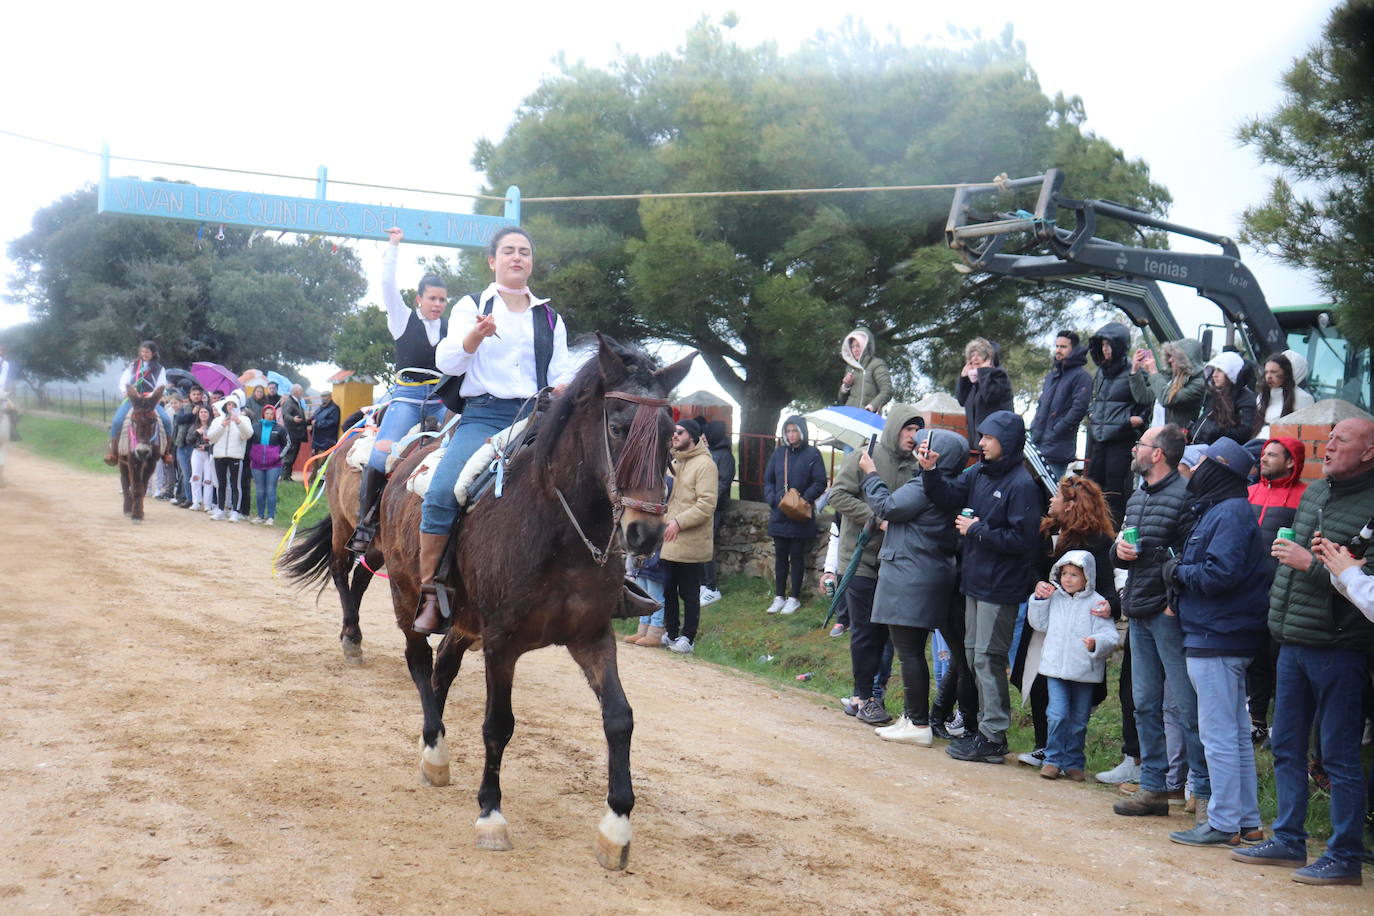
x: 112, y: 456
x: 428, y: 619
x: 369, y: 492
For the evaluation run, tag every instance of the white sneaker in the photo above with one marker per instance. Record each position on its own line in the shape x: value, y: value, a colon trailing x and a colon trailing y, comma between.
x: 777, y: 604
x: 217, y: 515
x: 1035, y: 758
x: 269, y: 522
x: 682, y: 646
x: 665, y: 641
x: 709, y: 595
x: 1125, y: 771
x: 790, y: 606
x: 235, y: 517
x: 255, y: 521
x: 195, y: 507
x: 907, y: 732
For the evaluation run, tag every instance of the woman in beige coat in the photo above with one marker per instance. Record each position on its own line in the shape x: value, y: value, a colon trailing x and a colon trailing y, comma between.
x: 687, y: 541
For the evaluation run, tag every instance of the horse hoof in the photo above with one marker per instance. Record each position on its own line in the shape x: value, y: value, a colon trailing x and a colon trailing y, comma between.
x: 136, y: 520
x: 352, y: 651
x: 613, y: 842
x: 434, y: 763
x: 492, y: 834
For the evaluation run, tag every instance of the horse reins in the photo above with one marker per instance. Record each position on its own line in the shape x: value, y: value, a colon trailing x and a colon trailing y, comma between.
x: 619, y: 501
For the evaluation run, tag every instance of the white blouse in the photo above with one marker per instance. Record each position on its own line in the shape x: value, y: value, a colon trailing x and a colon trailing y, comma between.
x: 502, y: 366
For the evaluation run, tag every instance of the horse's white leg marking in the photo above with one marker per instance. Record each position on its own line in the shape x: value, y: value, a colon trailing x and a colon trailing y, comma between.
x: 613, y: 841
x: 354, y: 653
x: 492, y: 833
x: 434, y: 762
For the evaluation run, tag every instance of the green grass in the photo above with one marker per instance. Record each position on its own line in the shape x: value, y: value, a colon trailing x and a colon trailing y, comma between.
x: 736, y: 633
x: 72, y: 442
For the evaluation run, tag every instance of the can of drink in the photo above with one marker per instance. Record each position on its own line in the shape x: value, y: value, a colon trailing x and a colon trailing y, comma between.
x: 830, y: 588
x: 1131, y: 535
x: 967, y: 513
x: 1286, y: 534
x: 805, y: 677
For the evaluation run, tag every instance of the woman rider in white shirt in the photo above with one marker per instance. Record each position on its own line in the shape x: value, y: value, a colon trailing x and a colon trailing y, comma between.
x: 146, y: 375
x: 492, y: 342
x: 417, y: 332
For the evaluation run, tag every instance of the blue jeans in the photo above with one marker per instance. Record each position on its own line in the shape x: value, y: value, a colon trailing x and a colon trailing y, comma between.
x: 1157, y: 651
x: 265, y: 482
x: 483, y: 417
x: 1322, y: 686
x: 122, y: 411
x: 401, y: 415
x: 184, y: 463
x: 1071, y: 702
x: 655, y: 589
x: 1223, y: 723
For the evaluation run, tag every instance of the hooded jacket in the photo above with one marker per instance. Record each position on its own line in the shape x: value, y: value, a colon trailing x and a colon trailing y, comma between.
x: 1183, y: 407
x: 264, y: 455
x: 991, y: 394
x: 1066, y: 620
x: 799, y: 468
x: 1301, y: 397
x: 1208, y: 429
x: 1113, y: 405
x: 1000, y: 548
x: 691, y: 505
x: 918, y: 574
x: 847, y: 493
x: 1221, y: 578
x: 718, y: 441
x: 230, y: 440
x: 1275, y: 502
x: 872, y: 381
x: 1064, y: 399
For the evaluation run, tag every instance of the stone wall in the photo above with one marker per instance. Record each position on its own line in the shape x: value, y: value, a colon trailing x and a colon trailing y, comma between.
x: 745, y: 546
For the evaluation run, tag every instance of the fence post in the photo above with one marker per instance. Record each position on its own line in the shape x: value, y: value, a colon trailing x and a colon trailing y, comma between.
x: 80, y: 404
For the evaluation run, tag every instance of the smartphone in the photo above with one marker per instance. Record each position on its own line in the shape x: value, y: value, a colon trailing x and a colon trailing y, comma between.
x: 872, y: 444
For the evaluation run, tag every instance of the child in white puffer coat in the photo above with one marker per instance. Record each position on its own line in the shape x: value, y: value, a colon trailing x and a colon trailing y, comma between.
x: 1073, y: 659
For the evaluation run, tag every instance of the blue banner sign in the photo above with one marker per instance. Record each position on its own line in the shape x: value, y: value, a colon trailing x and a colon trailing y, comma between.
x: 311, y: 216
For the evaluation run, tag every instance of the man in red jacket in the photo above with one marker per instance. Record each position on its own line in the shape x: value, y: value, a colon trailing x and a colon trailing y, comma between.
x: 1274, y: 500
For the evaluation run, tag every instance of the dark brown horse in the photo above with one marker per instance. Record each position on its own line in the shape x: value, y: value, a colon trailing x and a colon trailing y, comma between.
x: 144, y: 446
x: 531, y: 573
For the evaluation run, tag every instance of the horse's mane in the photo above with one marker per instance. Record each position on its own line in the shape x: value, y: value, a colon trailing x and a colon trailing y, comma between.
x: 638, y: 371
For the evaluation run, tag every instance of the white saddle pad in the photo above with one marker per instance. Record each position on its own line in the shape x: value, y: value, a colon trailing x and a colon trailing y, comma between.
x: 418, y: 483
x: 360, y: 452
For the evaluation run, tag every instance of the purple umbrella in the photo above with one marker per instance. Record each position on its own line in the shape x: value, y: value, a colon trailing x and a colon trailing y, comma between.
x: 214, y: 377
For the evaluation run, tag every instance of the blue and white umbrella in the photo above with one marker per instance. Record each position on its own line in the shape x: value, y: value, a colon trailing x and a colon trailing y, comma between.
x: 849, y: 425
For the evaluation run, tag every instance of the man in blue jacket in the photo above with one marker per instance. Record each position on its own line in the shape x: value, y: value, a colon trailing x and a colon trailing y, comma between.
x: 1221, y: 584
x: 1001, y: 542
x: 1063, y: 404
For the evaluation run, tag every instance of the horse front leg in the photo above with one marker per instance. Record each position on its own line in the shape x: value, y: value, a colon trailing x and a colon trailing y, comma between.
x: 497, y: 728
x: 434, y: 757
x: 126, y: 487
x: 598, y: 662
x: 351, y: 581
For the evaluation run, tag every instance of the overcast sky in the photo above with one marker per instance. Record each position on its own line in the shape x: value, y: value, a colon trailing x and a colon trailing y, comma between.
x: 398, y: 93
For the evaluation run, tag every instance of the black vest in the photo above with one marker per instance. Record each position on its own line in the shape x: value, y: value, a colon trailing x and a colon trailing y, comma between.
x: 413, y: 348
x: 545, y: 320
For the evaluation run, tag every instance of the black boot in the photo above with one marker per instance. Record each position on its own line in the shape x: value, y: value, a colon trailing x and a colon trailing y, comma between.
x: 369, y: 493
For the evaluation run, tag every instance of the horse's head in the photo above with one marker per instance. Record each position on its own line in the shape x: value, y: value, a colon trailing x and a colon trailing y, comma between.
x: 143, y: 421
x: 639, y: 430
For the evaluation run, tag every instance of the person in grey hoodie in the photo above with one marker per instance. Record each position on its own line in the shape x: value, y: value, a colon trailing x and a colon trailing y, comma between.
x: 868, y: 383
x: 918, y: 579
x: 1073, y: 658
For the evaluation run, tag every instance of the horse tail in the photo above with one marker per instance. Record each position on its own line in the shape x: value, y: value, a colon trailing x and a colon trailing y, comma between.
x: 308, y: 559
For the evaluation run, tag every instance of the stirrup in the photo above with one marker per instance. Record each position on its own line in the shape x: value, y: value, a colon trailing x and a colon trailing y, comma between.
x: 363, y: 536
x: 445, y: 623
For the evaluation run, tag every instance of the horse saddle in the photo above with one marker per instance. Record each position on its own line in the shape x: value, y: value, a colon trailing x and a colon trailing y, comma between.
x: 360, y: 452
x: 477, y: 474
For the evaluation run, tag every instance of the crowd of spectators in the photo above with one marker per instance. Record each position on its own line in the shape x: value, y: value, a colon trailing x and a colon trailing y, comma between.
x: 1187, y: 541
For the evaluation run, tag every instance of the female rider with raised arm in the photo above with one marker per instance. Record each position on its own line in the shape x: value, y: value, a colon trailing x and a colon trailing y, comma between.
x: 417, y: 332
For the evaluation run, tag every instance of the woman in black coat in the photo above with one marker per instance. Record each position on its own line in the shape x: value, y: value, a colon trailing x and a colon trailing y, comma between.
x: 794, y: 465
x: 1228, y: 408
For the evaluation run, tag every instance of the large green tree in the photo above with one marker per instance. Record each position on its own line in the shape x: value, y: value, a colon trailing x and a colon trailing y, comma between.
x: 1320, y: 212
x: 97, y: 284
x: 766, y: 286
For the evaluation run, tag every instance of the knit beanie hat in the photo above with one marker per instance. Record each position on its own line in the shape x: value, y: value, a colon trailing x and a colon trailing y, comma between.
x: 692, y: 427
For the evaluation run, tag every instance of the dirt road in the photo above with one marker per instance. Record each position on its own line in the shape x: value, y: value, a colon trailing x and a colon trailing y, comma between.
x: 180, y: 732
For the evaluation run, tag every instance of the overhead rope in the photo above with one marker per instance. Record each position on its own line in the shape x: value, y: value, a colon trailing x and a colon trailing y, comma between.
x: 1001, y: 182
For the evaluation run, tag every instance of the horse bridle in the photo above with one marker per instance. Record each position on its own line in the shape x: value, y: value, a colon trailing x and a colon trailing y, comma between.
x: 619, y: 501
x: 133, y: 433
